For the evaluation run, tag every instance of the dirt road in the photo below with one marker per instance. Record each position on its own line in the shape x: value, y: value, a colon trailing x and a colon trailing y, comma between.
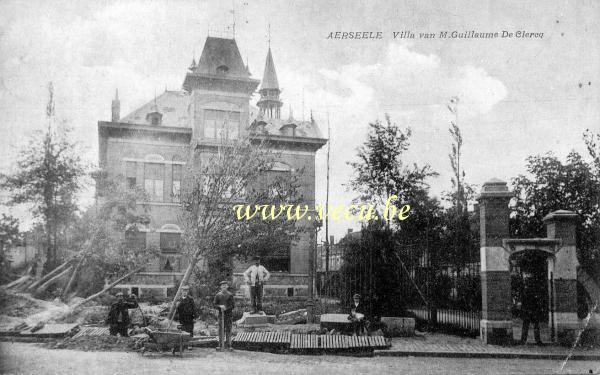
x: 24, y: 358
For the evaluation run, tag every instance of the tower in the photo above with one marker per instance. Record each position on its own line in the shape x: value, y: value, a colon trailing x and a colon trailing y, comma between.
x: 269, y: 102
x: 220, y: 87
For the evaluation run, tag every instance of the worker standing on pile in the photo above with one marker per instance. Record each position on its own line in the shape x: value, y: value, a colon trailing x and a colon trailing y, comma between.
x: 187, y: 311
x: 118, y: 316
x: 255, y: 276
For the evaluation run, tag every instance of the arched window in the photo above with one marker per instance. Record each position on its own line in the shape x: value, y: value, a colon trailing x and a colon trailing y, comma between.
x: 222, y: 69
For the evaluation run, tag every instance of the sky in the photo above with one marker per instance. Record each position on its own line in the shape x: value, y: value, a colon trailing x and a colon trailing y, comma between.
x: 517, y: 96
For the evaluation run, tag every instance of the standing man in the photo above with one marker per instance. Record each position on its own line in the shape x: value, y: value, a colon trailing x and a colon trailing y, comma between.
x: 530, y: 309
x: 255, y: 276
x: 357, y: 315
x: 186, y: 311
x: 118, y: 316
x: 224, y: 302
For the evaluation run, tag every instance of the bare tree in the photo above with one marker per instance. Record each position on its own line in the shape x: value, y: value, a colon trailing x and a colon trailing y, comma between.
x: 216, y: 180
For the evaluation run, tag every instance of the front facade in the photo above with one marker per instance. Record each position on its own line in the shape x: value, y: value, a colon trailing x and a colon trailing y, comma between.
x: 151, y: 147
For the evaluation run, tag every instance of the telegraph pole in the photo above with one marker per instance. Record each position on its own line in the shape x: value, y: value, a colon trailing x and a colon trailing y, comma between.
x: 327, y: 206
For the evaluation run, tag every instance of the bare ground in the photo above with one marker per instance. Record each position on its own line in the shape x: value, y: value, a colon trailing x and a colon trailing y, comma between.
x: 24, y: 358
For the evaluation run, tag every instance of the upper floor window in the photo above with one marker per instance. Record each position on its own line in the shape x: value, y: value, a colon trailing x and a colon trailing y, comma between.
x: 135, y: 239
x: 153, y: 181
x: 176, y: 188
x: 222, y: 69
x: 131, y: 174
x: 170, y: 242
x: 218, y: 124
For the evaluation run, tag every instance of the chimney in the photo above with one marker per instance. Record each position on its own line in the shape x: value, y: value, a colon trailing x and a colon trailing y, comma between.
x: 350, y: 230
x: 116, y: 108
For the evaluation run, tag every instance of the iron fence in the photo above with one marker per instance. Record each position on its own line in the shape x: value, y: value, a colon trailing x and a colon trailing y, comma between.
x: 440, y: 290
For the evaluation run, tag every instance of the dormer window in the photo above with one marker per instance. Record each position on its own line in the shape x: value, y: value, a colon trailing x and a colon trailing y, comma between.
x: 222, y: 69
x: 288, y: 130
x: 154, y: 118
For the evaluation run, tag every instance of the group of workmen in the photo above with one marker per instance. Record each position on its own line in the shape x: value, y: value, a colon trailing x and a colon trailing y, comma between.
x: 255, y: 276
x: 187, y: 312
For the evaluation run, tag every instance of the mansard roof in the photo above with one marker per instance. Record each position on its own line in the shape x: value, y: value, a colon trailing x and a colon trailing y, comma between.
x: 219, y: 52
x: 173, y: 105
x: 275, y: 126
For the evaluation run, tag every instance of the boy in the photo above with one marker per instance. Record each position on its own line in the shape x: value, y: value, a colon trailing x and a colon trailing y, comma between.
x: 224, y: 302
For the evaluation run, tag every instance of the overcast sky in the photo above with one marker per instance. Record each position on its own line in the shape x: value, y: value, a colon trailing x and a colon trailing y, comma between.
x: 518, y: 97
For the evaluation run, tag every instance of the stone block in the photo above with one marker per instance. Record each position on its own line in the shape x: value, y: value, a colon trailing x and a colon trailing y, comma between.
x: 496, y: 332
x: 255, y: 320
x: 398, y: 327
x: 339, y: 322
x: 292, y: 317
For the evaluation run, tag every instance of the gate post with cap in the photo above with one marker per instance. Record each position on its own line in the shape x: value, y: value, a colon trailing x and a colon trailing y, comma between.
x: 496, y: 324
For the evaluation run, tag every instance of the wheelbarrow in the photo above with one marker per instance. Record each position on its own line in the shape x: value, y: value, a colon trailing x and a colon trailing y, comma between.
x: 163, y: 340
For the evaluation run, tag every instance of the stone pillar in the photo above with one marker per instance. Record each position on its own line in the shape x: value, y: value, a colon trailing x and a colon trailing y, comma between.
x: 561, y: 225
x: 496, y: 323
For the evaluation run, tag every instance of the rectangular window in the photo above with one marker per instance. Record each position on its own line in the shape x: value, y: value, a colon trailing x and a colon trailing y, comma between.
x: 233, y: 126
x: 176, y: 188
x: 219, y: 124
x: 130, y: 174
x: 135, y: 240
x: 153, y: 181
x: 210, y: 123
x: 170, y: 242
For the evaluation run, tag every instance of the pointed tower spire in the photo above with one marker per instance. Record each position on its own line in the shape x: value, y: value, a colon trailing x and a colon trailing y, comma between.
x: 270, y: 76
x: 269, y: 102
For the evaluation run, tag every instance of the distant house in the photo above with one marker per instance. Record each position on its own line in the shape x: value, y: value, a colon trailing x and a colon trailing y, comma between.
x: 150, y: 147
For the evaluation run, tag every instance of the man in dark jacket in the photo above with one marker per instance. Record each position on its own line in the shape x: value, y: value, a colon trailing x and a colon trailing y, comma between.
x: 186, y: 311
x: 357, y: 315
x: 224, y: 302
x: 530, y: 309
x: 118, y: 316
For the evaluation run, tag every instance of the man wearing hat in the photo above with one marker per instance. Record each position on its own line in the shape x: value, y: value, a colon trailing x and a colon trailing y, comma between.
x: 118, y: 316
x: 224, y: 302
x: 357, y: 315
x: 255, y: 276
x: 187, y: 311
